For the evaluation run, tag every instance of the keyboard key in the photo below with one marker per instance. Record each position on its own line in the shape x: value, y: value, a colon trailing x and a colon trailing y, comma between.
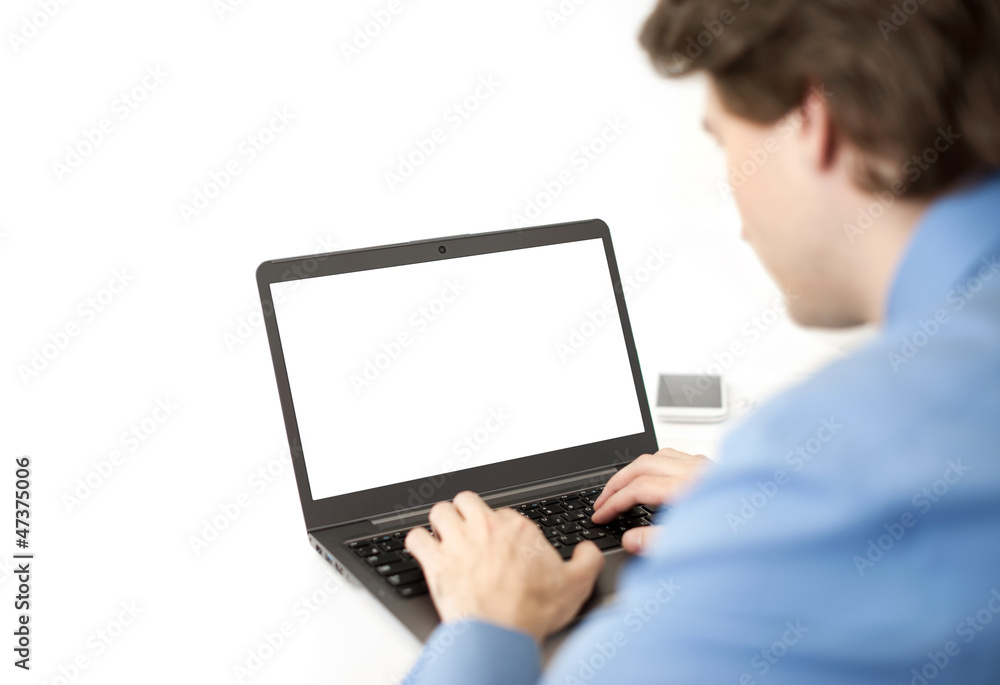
x: 396, y: 567
x: 552, y: 510
x: 383, y: 558
x: 405, y: 578
x: 392, y: 545
x: 569, y: 528
x: 368, y: 551
x: 607, y: 543
x: 570, y: 540
x: 412, y: 590
x: 592, y: 534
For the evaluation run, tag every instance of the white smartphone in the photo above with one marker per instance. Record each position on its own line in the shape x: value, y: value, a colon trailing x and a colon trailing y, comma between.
x: 691, y: 399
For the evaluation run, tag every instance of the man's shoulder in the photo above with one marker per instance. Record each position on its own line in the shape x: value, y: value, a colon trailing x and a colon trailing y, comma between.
x: 875, y: 412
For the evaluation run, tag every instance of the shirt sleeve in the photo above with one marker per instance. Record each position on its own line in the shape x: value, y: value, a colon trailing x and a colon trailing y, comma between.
x: 476, y: 653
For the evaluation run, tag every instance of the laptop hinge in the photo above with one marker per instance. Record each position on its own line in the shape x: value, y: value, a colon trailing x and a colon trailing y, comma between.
x: 418, y: 515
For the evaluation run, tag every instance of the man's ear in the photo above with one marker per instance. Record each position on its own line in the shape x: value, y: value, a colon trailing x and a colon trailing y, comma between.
x: 820, y: 140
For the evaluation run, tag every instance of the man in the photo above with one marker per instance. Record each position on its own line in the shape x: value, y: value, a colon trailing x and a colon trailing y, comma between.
x: 851, y: 531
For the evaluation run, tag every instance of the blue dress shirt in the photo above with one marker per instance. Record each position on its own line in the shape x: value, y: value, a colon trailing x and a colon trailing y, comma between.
x: 850, y: 532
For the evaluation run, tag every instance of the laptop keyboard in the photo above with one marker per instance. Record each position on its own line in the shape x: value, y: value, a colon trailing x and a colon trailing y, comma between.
x: 565, y: 521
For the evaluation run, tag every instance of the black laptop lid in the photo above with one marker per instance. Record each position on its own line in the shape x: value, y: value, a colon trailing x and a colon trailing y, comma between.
x: 410, y: 372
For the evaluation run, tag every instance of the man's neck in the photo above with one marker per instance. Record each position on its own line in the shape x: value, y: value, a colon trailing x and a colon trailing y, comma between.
x: 880, y: 254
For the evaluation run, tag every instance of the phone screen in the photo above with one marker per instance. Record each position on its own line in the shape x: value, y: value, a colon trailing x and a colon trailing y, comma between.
x: 690, y: 391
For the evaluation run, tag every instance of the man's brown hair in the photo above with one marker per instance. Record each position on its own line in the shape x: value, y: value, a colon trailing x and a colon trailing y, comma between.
x: 915, y: 83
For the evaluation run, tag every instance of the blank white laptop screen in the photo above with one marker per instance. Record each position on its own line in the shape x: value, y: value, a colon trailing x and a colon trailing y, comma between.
x: 413, y: 371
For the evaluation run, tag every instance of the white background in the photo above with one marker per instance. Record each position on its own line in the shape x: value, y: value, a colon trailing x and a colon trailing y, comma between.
x: 185, y: 331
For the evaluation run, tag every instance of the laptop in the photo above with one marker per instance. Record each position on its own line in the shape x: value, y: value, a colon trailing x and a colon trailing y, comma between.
x: 501, y: 363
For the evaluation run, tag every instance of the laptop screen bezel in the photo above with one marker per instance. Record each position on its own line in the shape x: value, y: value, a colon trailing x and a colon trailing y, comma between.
x: 389, y: 499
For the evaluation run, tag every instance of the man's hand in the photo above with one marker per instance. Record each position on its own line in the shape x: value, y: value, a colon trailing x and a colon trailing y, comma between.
x: 652, y: 479
x: 497, y: 566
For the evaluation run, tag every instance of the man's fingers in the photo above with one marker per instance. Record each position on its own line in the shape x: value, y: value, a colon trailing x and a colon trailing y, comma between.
x: 666, y: 462
x: 444, y: 519
x: 586, y: 562
x: 638, y: 540
x: 621, y: 479
x: 645, y: 489
x: 423, y: 547
x: 472, y: 507
x: 508, y: 514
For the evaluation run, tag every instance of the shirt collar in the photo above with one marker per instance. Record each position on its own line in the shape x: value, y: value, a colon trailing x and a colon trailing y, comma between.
x: 954, y: 236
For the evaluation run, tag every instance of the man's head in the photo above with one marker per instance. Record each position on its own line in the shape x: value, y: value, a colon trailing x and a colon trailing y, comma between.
x: 841, y: 120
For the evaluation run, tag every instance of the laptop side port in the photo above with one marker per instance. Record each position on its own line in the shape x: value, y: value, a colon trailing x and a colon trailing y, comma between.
x: 338, y: 567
